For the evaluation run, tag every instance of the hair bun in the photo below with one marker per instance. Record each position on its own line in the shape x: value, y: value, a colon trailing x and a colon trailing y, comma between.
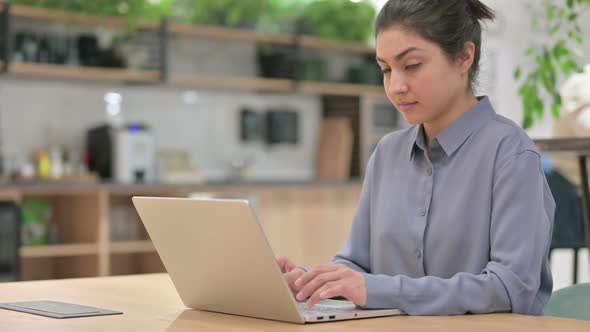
x: 479, y: 11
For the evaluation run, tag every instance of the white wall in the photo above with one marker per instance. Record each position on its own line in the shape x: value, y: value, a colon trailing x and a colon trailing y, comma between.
x: 40, y: 113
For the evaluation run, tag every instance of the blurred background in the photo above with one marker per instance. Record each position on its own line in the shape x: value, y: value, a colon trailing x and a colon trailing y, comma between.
x: 276, y: 101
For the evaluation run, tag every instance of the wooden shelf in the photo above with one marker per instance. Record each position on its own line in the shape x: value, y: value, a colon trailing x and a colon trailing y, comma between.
x: 232, y: 83
x: 11, y: 195
x: 55, y: 15
x: 188, y: 80
x: 59, y: 250
x: 274, y: 85
x: 83, y: 73
x: 186, y: 29
x: 341, y: 89
x: 129, y: 247
x: 244, y: 35
x: 87, y: 250
x: 319, y: 43
x: 212, y: 32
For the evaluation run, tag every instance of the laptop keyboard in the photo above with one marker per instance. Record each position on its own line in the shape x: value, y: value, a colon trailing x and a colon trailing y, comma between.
x: 327, y: 308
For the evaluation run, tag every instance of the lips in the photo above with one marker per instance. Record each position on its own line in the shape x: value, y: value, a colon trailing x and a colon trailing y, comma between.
x: 407, y: 106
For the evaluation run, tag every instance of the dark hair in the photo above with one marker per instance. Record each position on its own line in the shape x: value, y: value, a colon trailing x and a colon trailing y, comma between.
x: 448, y: 23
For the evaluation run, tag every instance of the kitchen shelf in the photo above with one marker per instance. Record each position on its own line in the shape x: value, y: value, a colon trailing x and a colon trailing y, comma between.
x: 83, y: 73
x: 192, y: 81
x: 59, y: 250
x: 232, y: 83
x: 244, y: 35
x: 189, y: 80
x: 319, y: 43
x: 341, y: 89
x: 129, y: 247
x: 55, y: 15
x: 186, y: 29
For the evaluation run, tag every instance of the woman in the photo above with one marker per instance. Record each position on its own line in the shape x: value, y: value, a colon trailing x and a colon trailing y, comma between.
x: 455, y: 215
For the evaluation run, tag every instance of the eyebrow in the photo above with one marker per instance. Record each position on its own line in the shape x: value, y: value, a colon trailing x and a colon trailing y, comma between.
x: 402, y: 54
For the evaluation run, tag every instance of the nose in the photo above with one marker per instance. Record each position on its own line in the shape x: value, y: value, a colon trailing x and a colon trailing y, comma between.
x: 397, y: 85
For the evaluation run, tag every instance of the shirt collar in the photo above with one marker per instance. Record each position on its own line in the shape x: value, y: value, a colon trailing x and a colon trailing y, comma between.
x: 457, y: 133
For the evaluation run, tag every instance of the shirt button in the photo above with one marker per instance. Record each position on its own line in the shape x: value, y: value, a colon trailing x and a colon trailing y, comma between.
x: 422, y: 212
x: 429, y: 171
x: 419, y: 254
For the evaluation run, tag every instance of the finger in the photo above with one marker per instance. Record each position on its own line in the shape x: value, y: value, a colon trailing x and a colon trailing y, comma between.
x: 290, y: 278
x: 331, y: 292
x: 336, y: 287
x: 281, y: 261
x: 317, y: 283
x: 310, y: 275
x: 285, y: 264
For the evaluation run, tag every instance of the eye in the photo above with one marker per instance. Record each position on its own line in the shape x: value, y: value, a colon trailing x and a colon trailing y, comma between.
x: 413, y: 66
x: 385, y: 70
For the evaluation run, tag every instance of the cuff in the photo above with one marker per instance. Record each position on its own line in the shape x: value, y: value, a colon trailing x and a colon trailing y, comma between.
x: 383, y: 292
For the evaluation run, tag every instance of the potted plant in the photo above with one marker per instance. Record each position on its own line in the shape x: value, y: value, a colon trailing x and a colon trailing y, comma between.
x: 342, y: 20
x: 555, y: 57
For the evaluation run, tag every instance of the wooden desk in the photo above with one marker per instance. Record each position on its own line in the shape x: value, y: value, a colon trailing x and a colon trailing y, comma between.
x: 150, y: 303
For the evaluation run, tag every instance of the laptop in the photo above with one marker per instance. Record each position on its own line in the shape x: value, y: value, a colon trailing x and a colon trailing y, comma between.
x: 219, y: 260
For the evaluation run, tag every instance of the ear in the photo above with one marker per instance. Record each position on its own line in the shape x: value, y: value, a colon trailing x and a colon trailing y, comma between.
x: 465, y: 60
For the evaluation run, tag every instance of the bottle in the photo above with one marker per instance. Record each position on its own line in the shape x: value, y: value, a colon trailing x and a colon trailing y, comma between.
x: 43, y: 165
x: 57, y: 167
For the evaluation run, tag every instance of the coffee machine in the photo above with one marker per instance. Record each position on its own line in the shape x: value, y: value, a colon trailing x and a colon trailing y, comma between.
x: 124, y: 154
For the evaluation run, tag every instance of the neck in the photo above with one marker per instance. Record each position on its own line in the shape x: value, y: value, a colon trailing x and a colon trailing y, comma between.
x: 455, y: 110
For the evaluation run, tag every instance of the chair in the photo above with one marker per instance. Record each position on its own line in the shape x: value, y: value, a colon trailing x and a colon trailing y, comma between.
x: 570, y: 302
x: 568, y: 229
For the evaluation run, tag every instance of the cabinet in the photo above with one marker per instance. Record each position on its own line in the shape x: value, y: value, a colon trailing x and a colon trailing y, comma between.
x: 307, y: 222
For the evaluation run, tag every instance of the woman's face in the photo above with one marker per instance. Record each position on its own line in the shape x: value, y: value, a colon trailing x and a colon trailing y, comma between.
x: 418, y: 77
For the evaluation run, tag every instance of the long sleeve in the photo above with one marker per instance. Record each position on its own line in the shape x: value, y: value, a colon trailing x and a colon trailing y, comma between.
x: 520, y: 230
x: 355, y: 252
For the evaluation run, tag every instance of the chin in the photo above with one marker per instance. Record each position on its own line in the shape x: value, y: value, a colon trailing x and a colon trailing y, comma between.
x: 413, y: 120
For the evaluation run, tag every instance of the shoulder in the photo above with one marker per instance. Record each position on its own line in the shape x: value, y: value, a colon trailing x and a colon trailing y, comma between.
x: 508, y: 139
x: 392, y: 148
x: 398, y: 140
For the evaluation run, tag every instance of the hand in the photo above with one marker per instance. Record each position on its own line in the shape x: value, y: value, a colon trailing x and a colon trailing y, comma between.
x: 291, y: 272
x: 329, y: 281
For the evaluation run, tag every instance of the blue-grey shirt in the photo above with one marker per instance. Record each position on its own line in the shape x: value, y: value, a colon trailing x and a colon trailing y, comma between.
x: 464, y: 229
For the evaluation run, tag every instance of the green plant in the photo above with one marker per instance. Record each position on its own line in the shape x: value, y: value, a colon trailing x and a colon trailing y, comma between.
x: 283, y: 18
x: 557, y: 56
x: 230, y: 13
x: 340, y: 19
x: 133, y: 10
